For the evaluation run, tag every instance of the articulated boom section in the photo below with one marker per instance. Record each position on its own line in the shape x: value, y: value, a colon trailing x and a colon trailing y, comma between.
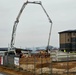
x: 15, y: 26
x: 17, y: 21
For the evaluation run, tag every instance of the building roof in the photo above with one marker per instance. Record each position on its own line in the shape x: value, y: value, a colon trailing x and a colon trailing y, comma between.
x: 6, y: 49
x: 26, y: 50
x: 68, y: 31
x: 3, y: 49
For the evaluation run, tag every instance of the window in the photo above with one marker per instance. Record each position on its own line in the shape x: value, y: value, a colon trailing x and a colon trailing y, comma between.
x: 73, y: 39
x: 73, y: 45
x: 73, y: 34
x: 68, y: 34
x: 68, y: 40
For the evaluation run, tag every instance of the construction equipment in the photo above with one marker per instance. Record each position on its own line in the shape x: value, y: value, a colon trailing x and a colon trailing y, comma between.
x: 17, y: 21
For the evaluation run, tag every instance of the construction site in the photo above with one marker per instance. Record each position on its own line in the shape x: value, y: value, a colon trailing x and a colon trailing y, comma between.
x: 46, y: 62
x: 39, y: 64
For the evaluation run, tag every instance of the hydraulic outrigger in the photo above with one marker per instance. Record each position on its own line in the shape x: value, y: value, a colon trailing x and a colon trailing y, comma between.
x: 17, y: 21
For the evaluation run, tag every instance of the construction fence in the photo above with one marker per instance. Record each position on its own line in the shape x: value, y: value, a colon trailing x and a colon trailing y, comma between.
x: 39, y: 65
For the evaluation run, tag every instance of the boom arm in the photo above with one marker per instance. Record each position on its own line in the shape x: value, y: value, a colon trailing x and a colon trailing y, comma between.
x: 17, y: 21
x: 15, y: 26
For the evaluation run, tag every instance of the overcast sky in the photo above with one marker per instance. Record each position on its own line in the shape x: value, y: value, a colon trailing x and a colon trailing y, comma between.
x: 33, y: 28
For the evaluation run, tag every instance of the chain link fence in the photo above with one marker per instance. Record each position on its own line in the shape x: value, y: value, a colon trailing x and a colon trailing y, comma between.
x: 41, y: 65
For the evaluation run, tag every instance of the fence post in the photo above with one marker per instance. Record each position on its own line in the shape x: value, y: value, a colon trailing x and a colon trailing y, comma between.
x: 67, y: 65
x: 27, y: 63
x: 50, y: 63
x: 41, y: 63
x: 34, y: 66
x: 51, y: 67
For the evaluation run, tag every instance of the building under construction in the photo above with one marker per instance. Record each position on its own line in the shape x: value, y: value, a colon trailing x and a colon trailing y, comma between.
x: 68, y: 40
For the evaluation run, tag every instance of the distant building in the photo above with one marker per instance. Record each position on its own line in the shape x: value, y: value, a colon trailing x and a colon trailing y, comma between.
x: 26, y: 51
x: 67, y: 40
x: 2, y: 51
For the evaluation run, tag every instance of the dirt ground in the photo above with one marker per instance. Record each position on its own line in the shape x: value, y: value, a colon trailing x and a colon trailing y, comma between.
x: 13, y: 72
x: 30, y: 64
x: 45, y: 64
